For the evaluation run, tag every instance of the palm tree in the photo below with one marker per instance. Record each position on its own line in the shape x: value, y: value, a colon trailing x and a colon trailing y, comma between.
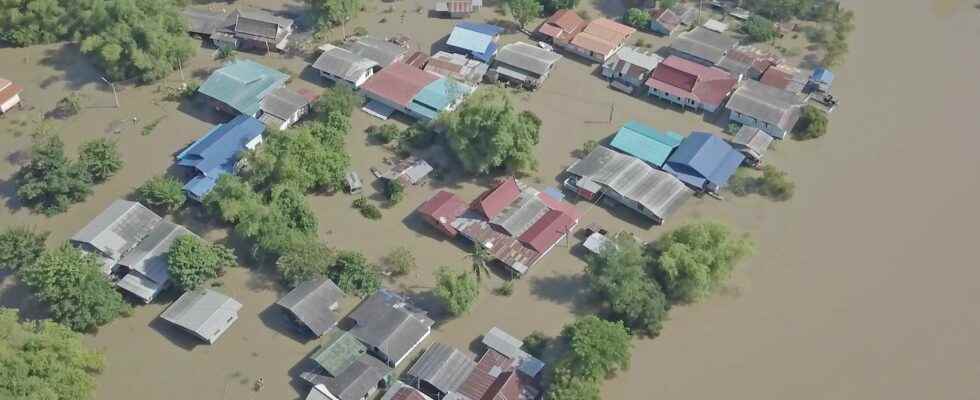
x: 480, y: 258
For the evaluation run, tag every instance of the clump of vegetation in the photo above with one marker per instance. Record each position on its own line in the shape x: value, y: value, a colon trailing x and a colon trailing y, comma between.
x: 150, y: 127
x: 524, y: 11
x: 587, y: 147
x: 536, y: 343
x: 550, y: 6
x: 334, y: 12
x: 506, y: 289
x: 225, y: 52
x: 339, y: 98
x: 637, y: 18
x: 732, y: 128
x: 773, y: 183
x: 486, y: 133
x: 416, y: 136
x: 68, y: 106
x: 619, y: 276
x: 186, y: 90
x: 384, y: 134
x: 643, y: 43
x: 758, y: 29
x: 193, y: 262
x: 310, y: 158
x: 353, y: 274
x: 45, y: 357
x: 20, y: 247
x: 400, y: 261
x: 51, y: 182
x: 394, y: 191
x: 368, y: 210
x: 71, y: 283
x: 359, y: 31
x: 100, y: 158
x: 692, y: 261
x: 597, y: 349
x: 309, y: 260
x: 812, y: 123
x: 457, y: 290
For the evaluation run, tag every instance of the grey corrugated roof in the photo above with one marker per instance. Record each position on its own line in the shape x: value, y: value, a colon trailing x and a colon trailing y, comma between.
x: 311, y: 303
x: 283, y: 103
x: 527, y: 57
x: 261, y: 24
x: 754, y: 140
x: 204, y: 22
x: 359, y: 378
x: 119, y: 228
x: 647, y: 60
x: 343, y: 63
x: 657, y: 191
x: 204, y: 312
x: 704, y: 44
x: 521, y: 213
x: 442, y: 366
x: 380, y: 51
x: 503, y: 343
x: 149, y: 260
x: 772, y: 105
x: 385, y: 321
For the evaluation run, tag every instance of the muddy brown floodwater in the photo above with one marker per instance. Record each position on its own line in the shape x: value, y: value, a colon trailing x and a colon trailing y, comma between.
x: 865, y: 285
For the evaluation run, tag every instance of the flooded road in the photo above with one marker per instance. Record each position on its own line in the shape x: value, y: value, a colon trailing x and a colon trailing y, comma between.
x: 865, y: 285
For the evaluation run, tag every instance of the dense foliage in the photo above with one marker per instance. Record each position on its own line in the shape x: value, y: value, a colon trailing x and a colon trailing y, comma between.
x: 618, y: 275
x: 309, y: 260
x: 338, y: 98
x: 162, y: 193
x: 550, y: 6
x: 566, y: 385
x: 458, y: 291
x: 695, y: 259
x: 354, y: 274
x: 30, y: 22
x: 597, y: 349
x: 524, y: 11
x: 193, y: 262
x: 812, y: 123
x: 637, y: 18
x: 535, y: 343
x: 334, y: 12
x: 20, y: 247
x: 72, y: 284
x: 758, y: 29
x: 300, y: 159
x: 51, y: 182
x: 100, y: 158
x: 384, y: 134
x: 486, y: 132
x: 400, y: 261
x: 394, y: 191
x: 44, y: 360
x: 366, y: 208
x: 773, y: 183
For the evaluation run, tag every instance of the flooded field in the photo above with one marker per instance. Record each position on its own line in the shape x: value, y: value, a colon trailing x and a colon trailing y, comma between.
x: 864, y: 286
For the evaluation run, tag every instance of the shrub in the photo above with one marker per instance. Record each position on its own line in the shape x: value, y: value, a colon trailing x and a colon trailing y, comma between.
x: 192, y: 261
x: 100, y: 158
x: 400, y: 261
x: 505, y: 289
x: 812, y: 124
x: 353, y: 274
x: 457, y: 290
x: 775, y: 184
x: 68, y: 106
x: 20, y: 247
x: 536, y: 343
x: 384, y: 134
x: 394, y: 191
x: 162, y: 193
x: 758, y: 29
x: 51, y: 182
x: 637, y: 18
x: 368, y: 210
x: 309, y: 260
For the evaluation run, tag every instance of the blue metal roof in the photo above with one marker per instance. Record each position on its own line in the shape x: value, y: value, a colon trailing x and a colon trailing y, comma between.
x: 217, y: 152
x: 198, y: 187
x: 486, y: 29
x: 477, y: 39
x: 242, y: 84
x: 645, y: 142
x: 703, y: 158
x: 822, y: 75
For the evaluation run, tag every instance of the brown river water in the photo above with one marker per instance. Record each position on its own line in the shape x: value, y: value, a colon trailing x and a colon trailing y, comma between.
x: 865, y: 285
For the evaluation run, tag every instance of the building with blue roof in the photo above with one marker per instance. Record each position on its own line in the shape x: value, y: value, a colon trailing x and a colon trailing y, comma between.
x: 240, y: 86
x: 646, y: 143
x: 438, y: 96
x: 477, y: 40
x: 822, y: 79
x: 217, y: 153
x: 704, y: 161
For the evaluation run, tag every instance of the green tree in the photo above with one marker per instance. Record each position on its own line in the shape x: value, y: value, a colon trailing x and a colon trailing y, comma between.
x: 618, y: 275
x: 338, y: 98
x: 697, y: 258
x: 486, y: 132
x: 354, y: 274
x: 308, y: 261
x: 400, y: 261
x: 44, y: 360
x: 334, y: 12
x: 536, y: 343
x: 665, y: 4
x: 524, y: 11
x: 550, y: 6
x: 394, y: 191
x: 298, y: 159
x: 776, y: 184
x: 458, y: 291
x: 368, y: 210
x: 812, y: 123
x: 565, y: 385
x: 73, y: 285
x: 162, y: 193
x: 292, y: 204
x: 20, y: 247
x: 637, y: 18
x: 193, y: 262
x: 758, y: 29
x: 30, y: 22
x: 232, y: 200
x: 480, y: 259
x: 51, y: 182
x: 384, y: 134
x: 597, y: 348
x: 779, y: 10
x: 100, y: 158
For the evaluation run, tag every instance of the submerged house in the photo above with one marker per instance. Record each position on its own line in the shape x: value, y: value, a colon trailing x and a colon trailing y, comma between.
x: 256, y: 30
x: 240, y: 86
x: 390, y: 326
x: 645, y: 142
x: 606, y: 173
x: 771, y: 109
x: 380, y: 51
x: 344, y: 66
x: 419, y: 94
x: 476, y: 40
x: 351, y: 373
x: 441, y: 210
x: 458, y: 8
x: 524, y: 64
x: 561, y: 27
x: 630, y: 67
x: 600, y: 39
x: 704, y: 162
x: 821, y: 80
x: 145, y: 268
x: 702, y: 46
x: 9, y: 95
x: 464, y: 70
x: 217, y: 153
x: 503, y: 372
x: 752, y: 142
x: 204, y: 313
x: 440, y: 370
x: 401, y: 391
x: 283, y: 108
x: 785, y: 77
x: 667, y: 21
x: 689, y: 84
x: 313, y: 304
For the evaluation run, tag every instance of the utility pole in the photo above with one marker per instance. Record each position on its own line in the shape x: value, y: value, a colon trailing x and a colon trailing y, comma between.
x: 180, y: 69
x: 113, y: 86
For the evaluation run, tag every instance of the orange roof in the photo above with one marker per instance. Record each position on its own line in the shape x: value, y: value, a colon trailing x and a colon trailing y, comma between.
x: 8, y: 90
x: 609, y: 30
x: 562, y: 23
x: 593, y: 43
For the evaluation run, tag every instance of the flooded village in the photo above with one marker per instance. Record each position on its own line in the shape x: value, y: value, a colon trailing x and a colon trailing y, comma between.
x: 642, y: 131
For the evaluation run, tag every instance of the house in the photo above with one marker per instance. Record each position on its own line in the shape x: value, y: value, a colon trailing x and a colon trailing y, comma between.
x: 283, y: 108
x: 204, y: 313
x: 344, y: 66
x: 339, y: 350
x: 689, y: 84
x: 458, y: 8
x: 314, y: 304
x: 630, y: 67
x: 715, y: 25
x: 500, y: 341
x: 785, y: 77
x: 401, y: 391
x: 145, y: 268
x: 240, y: 86
x: 600, y: 39
x: 667, y: 21
x: 204, y: 23
x: 752, y: 142
x: 561, y: 27
x: 390, y: 326
x: 477, y: 40
x: 765, y: 107
x: 524, y: 64
x: 704, y: 162
x: 217, y: 153
x: 116, y: 231
x: 380, y: 51
x: 646, y: 143
x: 9, y: 95
x: 464, y: 70
x: 748, y: 61
x: 702, y: 46
x: 350, y: 372
x: 408, y: 171
x: 821, y: 79
x: 252, y: 29
x: 627, y: 180
x: 440, y: 370
x: 419, y: 94
x: 504, y: 372
x: 441, y: 210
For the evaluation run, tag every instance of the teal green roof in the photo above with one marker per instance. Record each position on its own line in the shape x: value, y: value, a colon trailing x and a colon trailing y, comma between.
x: 435, y: 97
x: 338, y: 352
x: 646, y: 143
x: 242, y: 84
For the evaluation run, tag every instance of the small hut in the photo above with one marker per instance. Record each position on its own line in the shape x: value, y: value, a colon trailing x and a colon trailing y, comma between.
x: 753, y: 142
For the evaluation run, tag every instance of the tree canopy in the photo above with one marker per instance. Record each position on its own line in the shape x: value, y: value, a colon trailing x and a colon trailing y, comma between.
x: 458, y: 291
x: 773, y: 183
x: 550, y: 6
x: 354, y: 274
x: 812, y: 124
x: 72, y: 284
x: 758, y: 29
x: 20, y: 247
x: 697, y: 258
x: 637, y: 18
x: 565, y: 385
x: 597, y: 348
x: 486, y: 132
x: 44, y: 360
x: 51, y: 182
x: 162, y: 193
x: 334, y: 12
x: 193, y: 262
x: 29, y: 22
x: 299, y: 159
x: 100, y: 158
x: 618, y: 275
x: 310, y: 260
x: 524, y: 11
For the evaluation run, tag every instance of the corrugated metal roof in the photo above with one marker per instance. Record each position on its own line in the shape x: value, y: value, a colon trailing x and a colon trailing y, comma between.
x: 361, y: 377
x: 343, y: 63
x: 399, y: 83
x: 702, y: 159
x: 380, y: 51
x: 562, y: 24
x: 704, y: 44
x: 283, y: 103
x: 646, y: 143
x: 217, y: 152
x: 118, y: 228
x: 149, y: 260
x: 339, y: 350
x: 647, y: 60
x: 312, y: 303
x: 474, y: 37
x: 443, y: 207
x: 548, y: 230
x: 204, y: 312
x: 242, y: 84
x: 753, y: 141
x: 521, y: 213
x: 436, y: 97
x: 527, y: 57
x: 769, y: 104
x: 386, y: 322
x: 204, y: 22
x: 401, y: 391
x: 499, y: 197
x: 443, y: 367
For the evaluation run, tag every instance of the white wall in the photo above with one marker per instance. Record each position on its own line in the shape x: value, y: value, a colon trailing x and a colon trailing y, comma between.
x: 9, y: 104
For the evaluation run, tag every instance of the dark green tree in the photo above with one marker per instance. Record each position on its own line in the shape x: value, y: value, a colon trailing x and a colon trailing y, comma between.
x: 162, y: 193
x: 458, y: 291
x: 394, y: 191
x: 536, y: 343
x: 597, y: 348
x: 334, y: 12
x: 193, y: 262
x: 695, y: 259
x: 29, y: 22
x: 618, y: 275
x: 637, y: 18
x: 20, y: 247
x: 354, y: 274
x: 486, y: 132
x: 565, y: 385
x: 51, y: 182
x: 480, y: 259
x: 812, y: 123
x: 292, y: 204
x: 338, y: 98
x: 524, y: 11
x: 100, y: 158
x: 758, y: 29
x: 310, y: 260
x: 298, y: 159
x: 550, y: 6
x: 400, y: 261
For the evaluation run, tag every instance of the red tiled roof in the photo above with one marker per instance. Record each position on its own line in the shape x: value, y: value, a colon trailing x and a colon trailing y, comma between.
x: 496, y: 200
x: 443, y: 208
x: 563, y: 206
x: 666, y: 17
x: 478, y: 383
x: 8, y: 90
x: 776, y: 77
x: 562, y: 23
x: 690, y: 80
x: 547, y: 230
x: 398, y: 83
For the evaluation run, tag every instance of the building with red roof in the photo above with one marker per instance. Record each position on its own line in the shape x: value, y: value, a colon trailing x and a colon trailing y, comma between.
x: 547, y: 231
x: 561, y: 26
x: 441, y: 210
x: 397, y: 84
x: 690, y: 84
x: 497, y: 199
x: 9, y: 95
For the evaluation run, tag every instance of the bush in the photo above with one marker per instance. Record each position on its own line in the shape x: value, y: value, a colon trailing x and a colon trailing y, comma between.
x: 536, y: 343
x: 597, y: 348
x: 758, y: 29
x: 637, y: 18
x: 68, y: 106
x: 812, y: 124
x: 310, y: 260
x: 51, y: 182
x: 20, y: 247
x: 100, y: 158
x: 695, y: 259
x: 353, y: 274
x: 394, y: 191
x: 162, y: 193
x: 400, y: 261
x: 368, y: 210
x: 384, y: 134
x: 193, y: 262
x: 339, y: 98
x: 457, y: 290
x: 225, y: 52
x: 775, y: 184
x: 505, y: 289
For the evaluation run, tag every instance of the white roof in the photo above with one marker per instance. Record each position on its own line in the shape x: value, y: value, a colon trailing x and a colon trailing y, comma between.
x: 716, y: 25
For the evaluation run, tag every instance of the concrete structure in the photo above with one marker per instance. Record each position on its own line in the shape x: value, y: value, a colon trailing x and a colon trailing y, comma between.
x: 343, y: 66
x: 524, y: 64
x: 630, y: 67
x: 690, y: 85
x: 9, y: 95
x: 600, y: 39
x: 704, y: 162
x: 283, y: 108
x: 239, y: 86
x: 390, y: 326
x: 476, y: 40
x: 204, y: 313
x: 217, y: 153
x: 771, y: 109
x: 668, y: 21
x: 702, y: 46
x: 314, y: 304
x: 561, y: 27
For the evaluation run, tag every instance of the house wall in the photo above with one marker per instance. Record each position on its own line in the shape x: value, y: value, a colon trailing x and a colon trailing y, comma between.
x: 585, y: 53
x: 688, y: 103
x: 635, y: 206
x: 746, y: 120
x: 9, y: 104
x: 355, y: 83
